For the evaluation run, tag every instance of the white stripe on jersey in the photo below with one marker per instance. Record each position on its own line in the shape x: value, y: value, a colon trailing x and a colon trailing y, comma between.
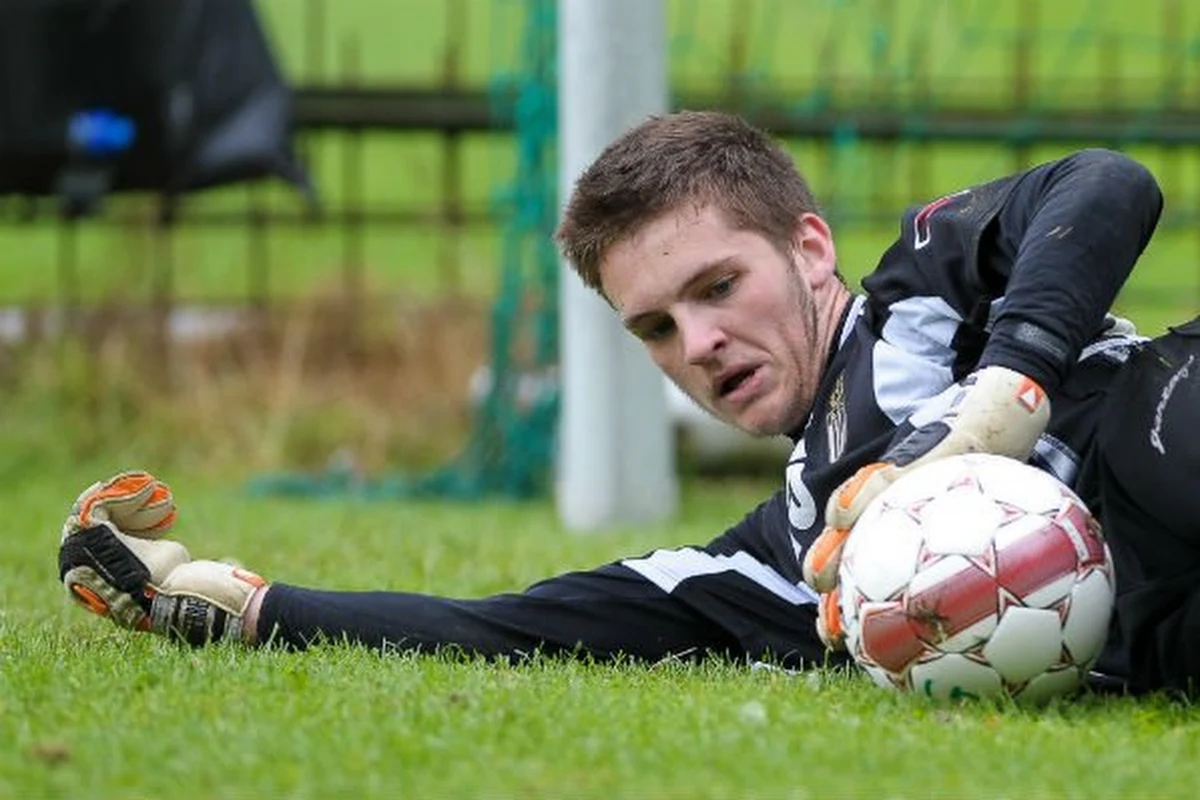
x: 666, y: 569
x: 938, y: 406
x: 913, y: 359
x: 857, y: 306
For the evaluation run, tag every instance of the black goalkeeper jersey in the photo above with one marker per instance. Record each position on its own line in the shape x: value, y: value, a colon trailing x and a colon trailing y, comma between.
x: 1019, y: 272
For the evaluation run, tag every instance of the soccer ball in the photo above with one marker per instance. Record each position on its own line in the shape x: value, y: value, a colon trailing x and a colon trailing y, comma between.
x: 976, y: 576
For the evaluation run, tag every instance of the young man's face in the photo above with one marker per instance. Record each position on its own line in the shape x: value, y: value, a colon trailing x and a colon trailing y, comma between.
x: 740, y: 326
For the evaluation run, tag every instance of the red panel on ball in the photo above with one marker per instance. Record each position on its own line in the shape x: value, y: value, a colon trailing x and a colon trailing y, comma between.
x: 888, y: 638
x: 1078, y: 519
x: 953, y: 604
x: 1035, y: 560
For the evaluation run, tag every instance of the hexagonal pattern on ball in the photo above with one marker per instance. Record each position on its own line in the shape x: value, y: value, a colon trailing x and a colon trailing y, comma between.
x: 1027, y: 642
x: 1086, y: 626
x: 954, y: 677
x: 960, y: 522
x: 1012, y: 483
x: 1049, y: 685
x: 977, y: 575
x: 928, y: 481
x: 891, y: 542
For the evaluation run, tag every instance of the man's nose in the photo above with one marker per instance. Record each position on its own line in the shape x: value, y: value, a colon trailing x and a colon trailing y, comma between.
x: 702, y: 338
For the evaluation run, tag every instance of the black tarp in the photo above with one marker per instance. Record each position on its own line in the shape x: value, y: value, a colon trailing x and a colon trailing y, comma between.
x: 194, y: 81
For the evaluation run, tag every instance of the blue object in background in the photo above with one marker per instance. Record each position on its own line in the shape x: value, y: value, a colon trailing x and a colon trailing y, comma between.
x: 100, y: 132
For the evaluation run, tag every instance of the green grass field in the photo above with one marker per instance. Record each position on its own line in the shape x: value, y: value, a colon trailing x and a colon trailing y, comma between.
x: 89, y: 711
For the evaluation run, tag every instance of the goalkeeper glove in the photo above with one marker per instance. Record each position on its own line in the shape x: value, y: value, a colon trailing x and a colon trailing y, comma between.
x: 995, y: 410
x: 113, y: 560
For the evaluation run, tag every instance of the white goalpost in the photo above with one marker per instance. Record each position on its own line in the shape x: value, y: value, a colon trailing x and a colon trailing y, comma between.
x: 616, y: 460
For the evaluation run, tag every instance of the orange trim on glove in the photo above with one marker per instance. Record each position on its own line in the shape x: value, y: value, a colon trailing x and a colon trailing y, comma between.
x: 89, y: 599
x: 853, y: 486
x: 123, y: 487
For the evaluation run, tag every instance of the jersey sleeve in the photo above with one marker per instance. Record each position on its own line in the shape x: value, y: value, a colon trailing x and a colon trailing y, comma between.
x: 1027, y: 265
x: 766, y: 535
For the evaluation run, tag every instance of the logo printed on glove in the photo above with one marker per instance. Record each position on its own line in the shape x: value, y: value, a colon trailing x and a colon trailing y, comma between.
x: 1030, y: 395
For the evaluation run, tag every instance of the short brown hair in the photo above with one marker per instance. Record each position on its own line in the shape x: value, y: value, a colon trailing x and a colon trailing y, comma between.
x: 698, y: 157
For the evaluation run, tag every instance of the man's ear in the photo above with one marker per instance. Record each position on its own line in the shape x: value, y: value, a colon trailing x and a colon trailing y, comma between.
x: 812, y: 241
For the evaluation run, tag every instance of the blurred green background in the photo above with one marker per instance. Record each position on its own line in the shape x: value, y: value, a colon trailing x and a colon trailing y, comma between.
x: 806, y: 55
x: 411, y: 250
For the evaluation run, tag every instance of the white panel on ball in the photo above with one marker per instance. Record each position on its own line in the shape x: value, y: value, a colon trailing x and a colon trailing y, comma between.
x: 1087, y: 616
x: 960, y: 521
x: 953, y: 677
x: 893, y: 545
x: 1052, y: 593
x: 971, y: 637
x: 1026, y: 642
x: 1018, y: 528
x: 1030, y: 494
x: 1049, y: 685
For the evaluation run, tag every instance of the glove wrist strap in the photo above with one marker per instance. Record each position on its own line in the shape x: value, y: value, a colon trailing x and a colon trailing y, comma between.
x: 193, y: 620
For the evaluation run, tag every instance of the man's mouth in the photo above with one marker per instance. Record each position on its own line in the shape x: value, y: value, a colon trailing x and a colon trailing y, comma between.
x: 733, y: 381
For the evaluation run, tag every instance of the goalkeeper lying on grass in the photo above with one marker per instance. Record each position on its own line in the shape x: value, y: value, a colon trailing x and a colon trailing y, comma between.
x: 985, y: 327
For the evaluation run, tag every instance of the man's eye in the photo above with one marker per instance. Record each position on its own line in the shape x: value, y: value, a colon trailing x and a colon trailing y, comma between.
x: 722, y: 287
x: 658, y: 330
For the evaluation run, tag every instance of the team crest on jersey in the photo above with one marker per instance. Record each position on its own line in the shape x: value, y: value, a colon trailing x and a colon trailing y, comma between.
x: 835, y: 419
x: 922, y: 233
